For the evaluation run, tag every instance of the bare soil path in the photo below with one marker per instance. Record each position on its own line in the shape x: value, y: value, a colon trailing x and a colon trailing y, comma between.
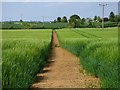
x: 63, y: 71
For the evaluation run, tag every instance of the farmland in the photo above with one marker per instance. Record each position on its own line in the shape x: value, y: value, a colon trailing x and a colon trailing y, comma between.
x: 59, y: 44
x: 32, y: 25
x: 0, y: 58
x: 50, y: 25
x: 97, y: 50
x: 24, y: 54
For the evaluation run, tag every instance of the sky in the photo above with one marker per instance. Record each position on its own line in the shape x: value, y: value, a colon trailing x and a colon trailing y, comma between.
x: 60, y: 0
x: 35, y: 11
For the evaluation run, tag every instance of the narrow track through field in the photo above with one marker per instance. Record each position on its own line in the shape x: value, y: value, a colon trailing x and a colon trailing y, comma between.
x: 63, y: 70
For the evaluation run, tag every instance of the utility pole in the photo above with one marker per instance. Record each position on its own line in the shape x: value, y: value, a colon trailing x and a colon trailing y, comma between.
x: 103, y: 5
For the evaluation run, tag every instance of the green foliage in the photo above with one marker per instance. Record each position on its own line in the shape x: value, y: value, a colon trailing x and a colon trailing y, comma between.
x: 95, y: 18
x: 32, y: 25
x: 83, y: 21
x: 97, y: 50
x: 59, y: 19
x: 75, y: 21
x: 90, y: 24
x: 74, y: 17
x: 117, y: 18
x: 111, y: 16
x: 48, y: 25
x: 106, y: 24
x: 64, y: 19
x: 77, y: 24
x: 99, y: 19
x: 0, y: 58
x: 12, y: 25
x: 21, y: 20
x: 24, y: 55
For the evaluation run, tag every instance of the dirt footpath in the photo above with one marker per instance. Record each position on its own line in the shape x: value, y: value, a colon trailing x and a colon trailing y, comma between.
x: 63, y: 71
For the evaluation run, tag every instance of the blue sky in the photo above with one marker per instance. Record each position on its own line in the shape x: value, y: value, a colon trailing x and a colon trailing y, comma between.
x: 34, y: 11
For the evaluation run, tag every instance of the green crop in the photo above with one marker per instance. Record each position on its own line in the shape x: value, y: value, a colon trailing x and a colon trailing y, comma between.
x: 24, y: 55
x: 0, y: 58
x: 97, y: 50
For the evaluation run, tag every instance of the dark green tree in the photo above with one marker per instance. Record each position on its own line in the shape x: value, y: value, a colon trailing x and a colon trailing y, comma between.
x: 75, y: 20
x: 99, y: 19
x: 95, y: 18
x: 111, y: 17
x: 21, y: 20
x: 90, y: 23
x: 117, y: 18
x: 77, y: 24
x: 83, y: 21
x: 59, y: 19
x: 64, y: 19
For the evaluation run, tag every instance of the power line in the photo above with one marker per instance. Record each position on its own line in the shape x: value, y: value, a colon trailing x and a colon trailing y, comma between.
x: 103, y: 5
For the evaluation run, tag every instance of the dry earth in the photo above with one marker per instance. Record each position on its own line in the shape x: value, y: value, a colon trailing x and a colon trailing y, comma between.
x: 63, y: 70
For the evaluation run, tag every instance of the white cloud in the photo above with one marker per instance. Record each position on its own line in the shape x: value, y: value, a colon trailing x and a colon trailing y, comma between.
x: 60, y: 1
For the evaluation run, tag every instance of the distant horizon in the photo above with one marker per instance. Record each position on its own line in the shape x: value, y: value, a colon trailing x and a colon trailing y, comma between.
x: 32, y: 11
x: 41, y: 20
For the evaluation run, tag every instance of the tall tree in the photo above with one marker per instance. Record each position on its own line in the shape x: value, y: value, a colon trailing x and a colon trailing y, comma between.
x: 74, y: 17
x: 83, y: 20
x: 64, y: 19
x: 99, y: 19
x: 95, y: 18
x: 75, y: 20
x: 111, y: 16
x: 117, y: 18
x: 59, y: 19
x: 90, y: 23
x: 21, y: 20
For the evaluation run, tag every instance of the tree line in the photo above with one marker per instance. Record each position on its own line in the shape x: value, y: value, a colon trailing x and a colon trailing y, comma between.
x: 76, y: 21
